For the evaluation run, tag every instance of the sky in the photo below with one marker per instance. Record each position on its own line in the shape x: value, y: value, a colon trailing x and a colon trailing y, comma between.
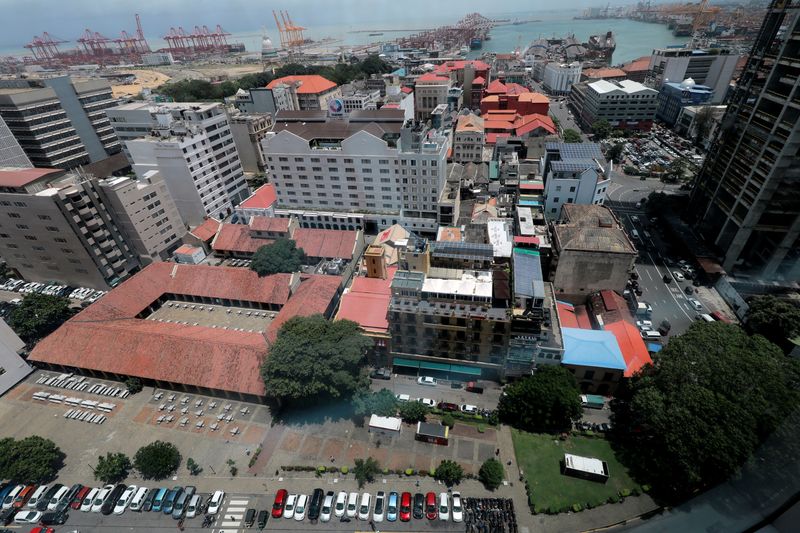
x: 67, y: 19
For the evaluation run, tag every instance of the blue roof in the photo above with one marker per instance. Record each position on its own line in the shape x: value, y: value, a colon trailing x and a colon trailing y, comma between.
x: 576, y: 150
x: 654, y: 347
x: 400, y: 72
x: 590, y: 347
x: 572, y: 165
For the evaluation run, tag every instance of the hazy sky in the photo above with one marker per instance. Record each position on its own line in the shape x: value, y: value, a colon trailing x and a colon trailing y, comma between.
x: 66, y: 19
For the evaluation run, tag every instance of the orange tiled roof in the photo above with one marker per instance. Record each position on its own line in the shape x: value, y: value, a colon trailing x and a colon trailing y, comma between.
x: 496, y: 87
x: 237, y: 238
x: 460, y: 64
x: 430, y: 76
x: 630, y: 342
x: 206, y: 231
x: 309, y: 84
x: 326, y: 242
x: 19, y: 177
x: 276, y: 224
x: 367, y: 302
x: 604, y: 73
x: 643, y: 63
x: 263, y: 197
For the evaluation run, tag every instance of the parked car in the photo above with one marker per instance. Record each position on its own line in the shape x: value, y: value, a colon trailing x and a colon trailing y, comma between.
x: 474, y: 386
x: 6, y: 516
x: 405, y: 507
x: 301, y: 507
x: 391, y: 508
x: 315, y: 504
x: 458, y: 510
x: 169, y: 500
x: 341, y: 504
x: 147, y: 504
x: 66, y: 499
x: 77, y: 500
x: 215, y: 502
x: 363, y: 509
x: 427, y: 402
x: 113, y: 496
x: 86, y: 504
x: 181, y: 501
x: 8, y: 500
x: 138, y: 499
x: 352, y: 505
x: 641, y: 324
x: 42, y: 529
x: 444, y: 507
x: 447, y: 406
x: 22, y: 498
x: 678, y: 276
x: 696, y: 304
x: 380, y: 507
x: 194, y: 506
x: 469, y: 409
x: 419, y: 506
x: 430, y: 506
x: 327, y: 507
x: 28, y: 517
x: 288, y: 508
x: 689, y: 289
x: 100, y: 498
x: 667, y: 279
x: 249, y: 517
x: 56, y: 498
x: 158, y: 501
x: 54, y: 519
x: 402, y: 398
x: 427, y: 380
x: 381, y: 373
x: 263, y: 516
x: 37, y: 495
x: 280, y: 501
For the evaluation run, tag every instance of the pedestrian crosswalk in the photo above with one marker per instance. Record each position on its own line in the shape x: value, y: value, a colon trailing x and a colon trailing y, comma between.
x: 230, y: 520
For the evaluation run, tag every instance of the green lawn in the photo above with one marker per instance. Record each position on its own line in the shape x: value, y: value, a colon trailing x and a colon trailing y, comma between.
x: 540, y: 455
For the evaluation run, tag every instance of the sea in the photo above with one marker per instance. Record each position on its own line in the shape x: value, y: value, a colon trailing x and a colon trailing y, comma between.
x: 634, y: 39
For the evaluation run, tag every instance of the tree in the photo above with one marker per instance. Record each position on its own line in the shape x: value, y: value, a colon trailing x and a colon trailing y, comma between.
x: 134, y: 385
x: 614, y: 153
x: 676, y: 171
x: 38, y: 315
x: 157, y: 460
x: 366, y: 470
x: 314, y: 358
x: 775, y: 318
x: 491, y: 473
x: 280, y: 256
x: 712, y: 395
x: 413, y: 412
x: 448, y: 420
x: 450, y: 472
x: 382, y: 403
x: 571, y: 136
x: 193, y: 468
x: 548, y: 401
x: 29, y: 460
x: 601, y: 129
x: 112, y: 468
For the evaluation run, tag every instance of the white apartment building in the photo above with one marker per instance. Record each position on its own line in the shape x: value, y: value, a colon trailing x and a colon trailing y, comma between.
x: 391, y: 170
x: 574, y: 174
x: 430, y: 90
x: 198, y: 160
x: 361, y: 100
x: 560, y: 77
x: 625, y: 104
x: 469, y: 139
x: 676, y: 64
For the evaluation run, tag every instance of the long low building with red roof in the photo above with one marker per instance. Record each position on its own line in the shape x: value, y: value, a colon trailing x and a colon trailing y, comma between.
x: 190, y: 327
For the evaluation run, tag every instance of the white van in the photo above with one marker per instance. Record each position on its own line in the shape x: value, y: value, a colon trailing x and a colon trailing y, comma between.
x: 706, y: 317
x: 138, y: 499
x: 651, y: 335
x: 635, y: 234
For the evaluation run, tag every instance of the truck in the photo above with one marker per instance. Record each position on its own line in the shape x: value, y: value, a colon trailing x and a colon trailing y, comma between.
x: 593, y: 401
x: 473, y: 386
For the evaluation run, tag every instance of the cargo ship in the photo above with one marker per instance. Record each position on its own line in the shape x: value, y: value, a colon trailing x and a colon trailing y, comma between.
x: 476, y: 43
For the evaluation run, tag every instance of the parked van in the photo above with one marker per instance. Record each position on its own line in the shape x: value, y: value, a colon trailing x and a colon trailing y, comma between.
x: 635, y: 234
x: 651, y: 335
x: 159, y: 499
x: 138, y: 499
x: 705, y: 317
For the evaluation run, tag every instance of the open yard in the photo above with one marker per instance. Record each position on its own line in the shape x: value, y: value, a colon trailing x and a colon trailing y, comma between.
x: 540, y: 457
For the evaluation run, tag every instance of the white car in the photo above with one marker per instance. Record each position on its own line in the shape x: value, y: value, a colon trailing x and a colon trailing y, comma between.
x: 300, y: 508
x: 380, y: 507
x: 51, y: 506
x: 86, y: 504
x: 469, y: 409
x: 403, y: 397
x: 426, y: 380
x: 137, y: 500
x: 444, y: 507
x: 341, y: 503
x: 327, y: 508
x: 36, y: 496
x: 363, y: 509
x: 27, y: 517
x: 696, y: 304
x: 352, y: 504
x: 644, y: 324
x: 288, y: 509
x: 100, y: 497
x: 458, y: 510
x: 215, y: 502
x: 678, y: 276
x: 427, y: 402
x: 125, y: 499
x: 194, y: 504
x: 8, y: 501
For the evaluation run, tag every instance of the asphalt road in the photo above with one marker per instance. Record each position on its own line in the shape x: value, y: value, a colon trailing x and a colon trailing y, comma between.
x: 560, y: 111
x: 400, y: 384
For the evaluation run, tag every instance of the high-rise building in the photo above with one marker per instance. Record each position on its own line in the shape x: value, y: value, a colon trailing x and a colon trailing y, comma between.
x: 60, y: 122
x: 248, y: 130
x: 11, y: 153
x: 713, y: 68
x: 746, y: 198
x: 192, y: 147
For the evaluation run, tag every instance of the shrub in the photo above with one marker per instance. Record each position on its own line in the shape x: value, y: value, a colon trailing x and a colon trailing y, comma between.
x: 481, y: 428
x: 636, y: 492
x: 423, y: 473
x: 194, y: 468
x: 254, y: 457
x: 385, y: 471
x: 625, y: 493
x: 645, y: 488
x: 614, y: 498
x: 448, y: 420
x: 449, y: 472
x: 491, y: 473
x: 134, y: 385
x: 366, y: 470
x: 409, y: 471
x: 344, y: 470
x: 333, y: 469
x: 321, y: 469
x: 577, y: 508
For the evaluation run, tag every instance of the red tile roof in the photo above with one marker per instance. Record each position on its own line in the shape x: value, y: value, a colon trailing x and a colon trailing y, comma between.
x: 430, y: 76
x: 367, y: 302
x: 480, y: 80
x: 407, y: 90
x: 187, y: 249
x: 237, y: 238
x: 206, y: 231
x: 534, y: 98
x: 496, y: 87
x: 20, y: 177
x: 604, y: 73
x: 643, y: 63
x: 522, y: 239
x: 516, y: 89
x: 584, y: 322
x: 274, y: 224
x: 491, y: 138
x: 329, y: 243
x: 309, y: 84
x: 533, y: 122
x: 460, y: 64
x: 566, y: 315
x: 631, y: 345
x: 108, y: 337
x: 265, y: 196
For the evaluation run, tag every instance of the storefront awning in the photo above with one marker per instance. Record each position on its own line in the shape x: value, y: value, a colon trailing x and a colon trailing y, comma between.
x: 399, y: 361
x: 427, y: 365
x: 463, y: 369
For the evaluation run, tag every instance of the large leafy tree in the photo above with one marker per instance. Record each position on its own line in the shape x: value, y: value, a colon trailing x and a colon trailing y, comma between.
x: 713, y: 394
x: 280, y: 256
x: 449, y: 472
x: 29, y: 460
x: 547, y: 401
x: 571, y: 136
x: 314, y: 358
x: 614, y: 153
x: 601, y: 129
x: 412, y: 412
x: 382, y: 403
x: 365, y: 470
x: 775, y: 318
x: 157, y: 460
x: 39, y: 315
x: 112, y: 468
x: 491, y: 473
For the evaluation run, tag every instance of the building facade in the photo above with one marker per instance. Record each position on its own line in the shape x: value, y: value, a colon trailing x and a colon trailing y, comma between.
x: 690, y: 126
x: 574, y: 174
x: 675, y: 96
x: 313, y: 91
x: 59, y: 122
x: 248, y: 131
x: 711, y: 68
x: 469, y: 139
x: 746, y: 198
x: 560, y: 77
x: 11, y: 153
x: 624, y: 104
x: 282, y: 97
x: 430, y: 91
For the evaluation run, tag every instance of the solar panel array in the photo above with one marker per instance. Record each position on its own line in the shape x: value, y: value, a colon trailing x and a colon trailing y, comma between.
x: 463, y: 250
x: 576, y: 150
x: 528, y: 280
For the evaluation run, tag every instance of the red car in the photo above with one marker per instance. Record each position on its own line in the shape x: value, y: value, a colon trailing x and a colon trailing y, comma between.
x: 23, y: 497
x: 40, y: 529
x: 405, y: 507
x: 280, y: 501
x: 78, y: 499
x: 431, y: 512
x: 446, y: 406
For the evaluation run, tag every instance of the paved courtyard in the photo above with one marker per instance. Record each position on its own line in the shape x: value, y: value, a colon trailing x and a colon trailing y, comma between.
x: 216, y: 316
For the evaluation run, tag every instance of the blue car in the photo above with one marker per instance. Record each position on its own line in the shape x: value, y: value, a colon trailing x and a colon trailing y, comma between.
x: 158, y: 501
x: 391, y: 508
x: 170, y: 499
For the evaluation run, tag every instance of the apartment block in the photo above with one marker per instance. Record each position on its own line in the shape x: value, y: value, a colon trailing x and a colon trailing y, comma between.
x: 361, y: 100
x: 282, y: 97
x: 624, y: 104
x: 430, y: 91
x: 372, y: 162
x: 713, y: 68
x: 313, y: 91
x: 575, y: 173
x: 192, y: 147
x: 60, y: 122
x: 746, y: 198
x: 248, y: 131
x: 11, y: 153
x: 560, y: 77
x: 55, y: 226
x: 469, y: 139
x: 145, y: 213
x: 675, y: 96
